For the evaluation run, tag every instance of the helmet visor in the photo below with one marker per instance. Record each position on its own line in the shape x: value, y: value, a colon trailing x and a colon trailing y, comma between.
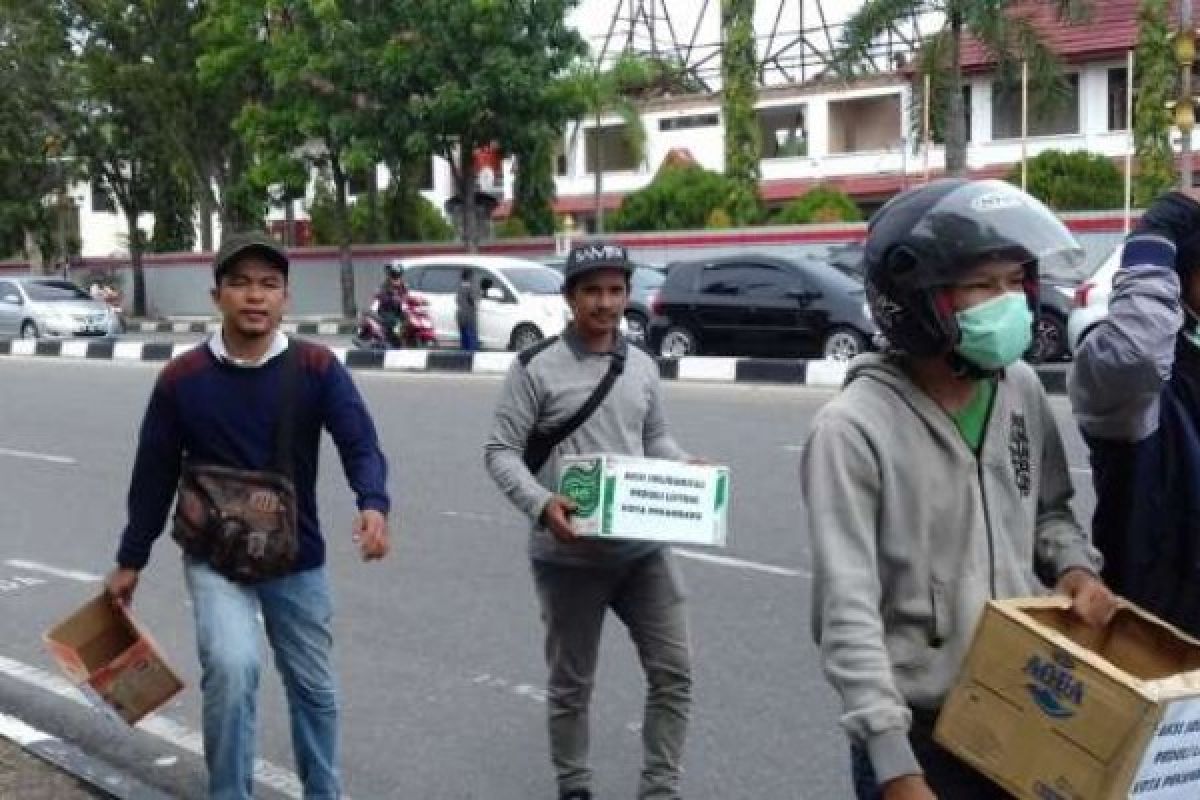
x: 993, y: 219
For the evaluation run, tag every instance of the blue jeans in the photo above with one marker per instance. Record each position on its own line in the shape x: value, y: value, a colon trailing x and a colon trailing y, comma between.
x: 468, y: 337
x: 297, y: 612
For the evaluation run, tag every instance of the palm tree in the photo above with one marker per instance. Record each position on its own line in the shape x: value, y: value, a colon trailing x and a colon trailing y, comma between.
x: 612, y: 91
x: 1009, y: 38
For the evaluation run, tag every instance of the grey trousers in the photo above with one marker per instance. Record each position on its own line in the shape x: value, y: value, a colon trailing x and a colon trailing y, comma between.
x: 647, y: 597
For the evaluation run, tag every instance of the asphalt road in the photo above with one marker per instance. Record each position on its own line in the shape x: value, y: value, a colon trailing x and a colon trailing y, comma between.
x: 439, y: 647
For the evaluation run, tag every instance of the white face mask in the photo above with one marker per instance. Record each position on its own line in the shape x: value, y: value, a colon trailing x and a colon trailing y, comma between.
x: 1191, y: 327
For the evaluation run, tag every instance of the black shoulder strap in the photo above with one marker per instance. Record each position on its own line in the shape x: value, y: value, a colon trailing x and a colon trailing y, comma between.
x: 533, y: 350
x: 285, y: 425
x: 541, y: 445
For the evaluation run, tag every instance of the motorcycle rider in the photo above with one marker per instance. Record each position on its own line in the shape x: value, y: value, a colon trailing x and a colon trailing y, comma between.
x: 389, y: 303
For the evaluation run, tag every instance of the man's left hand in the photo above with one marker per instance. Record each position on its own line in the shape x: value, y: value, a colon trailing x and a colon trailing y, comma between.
x: 1091, y: 600
x: 371, y: 535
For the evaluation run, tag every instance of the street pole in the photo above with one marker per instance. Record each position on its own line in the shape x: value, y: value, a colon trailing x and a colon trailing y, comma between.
x: 1185, y: 89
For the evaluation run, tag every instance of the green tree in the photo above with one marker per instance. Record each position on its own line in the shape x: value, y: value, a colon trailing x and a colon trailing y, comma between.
x: 533, y: 192
x: 1009, y: 38
x: 614, y: 90
x: 1075, y: 181
x: 477, y: 73
x: 820, y: 204
x: 1155, y: 77
x: 679, y: 198
x: 743, y: 145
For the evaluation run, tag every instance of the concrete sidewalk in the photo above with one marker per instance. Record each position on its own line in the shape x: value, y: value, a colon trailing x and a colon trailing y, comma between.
x: 25, y: 776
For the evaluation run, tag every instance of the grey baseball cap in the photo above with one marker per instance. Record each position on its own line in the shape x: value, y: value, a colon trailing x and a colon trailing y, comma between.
x: 258, y: 243
x: 587, y: 258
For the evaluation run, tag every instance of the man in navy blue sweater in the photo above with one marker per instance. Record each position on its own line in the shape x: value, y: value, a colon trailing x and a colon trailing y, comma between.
x: 1135, y: 389
x: 219, y: 404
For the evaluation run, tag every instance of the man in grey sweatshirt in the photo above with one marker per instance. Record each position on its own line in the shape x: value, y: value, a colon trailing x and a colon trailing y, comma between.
x: 937, y: 479
x: 578, y: 580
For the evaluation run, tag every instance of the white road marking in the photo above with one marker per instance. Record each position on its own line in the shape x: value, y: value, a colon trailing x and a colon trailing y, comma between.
x: 16, y: 730
x: 58, y: 572
x: 31, y: 456
x: 519, y: 689
x: 273, y: 777
x: 738, y: 563
x: 1080, y: 471
x: 19, y: 582
x: 471, y: 515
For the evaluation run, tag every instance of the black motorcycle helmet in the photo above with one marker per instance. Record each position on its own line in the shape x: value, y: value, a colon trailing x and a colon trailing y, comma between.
x: 393, y: 271
x: 929, y: 238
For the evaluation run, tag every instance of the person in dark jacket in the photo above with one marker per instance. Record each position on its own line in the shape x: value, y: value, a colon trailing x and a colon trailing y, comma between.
x: 1135, y: 390
x: 466, y: 303
x: 219, y: 404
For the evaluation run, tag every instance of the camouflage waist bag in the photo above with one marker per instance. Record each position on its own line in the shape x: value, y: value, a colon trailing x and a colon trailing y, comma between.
x: 243, y: 522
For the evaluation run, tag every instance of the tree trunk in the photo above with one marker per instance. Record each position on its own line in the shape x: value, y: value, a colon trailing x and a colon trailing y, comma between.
x: 598, y: 178
x: 956, y: 112
x: 466, y: 191
x: 207, y: 207
x: 135, y: 260
x: 373, y: 227
x: 33, y: 253
x: 345, y: 258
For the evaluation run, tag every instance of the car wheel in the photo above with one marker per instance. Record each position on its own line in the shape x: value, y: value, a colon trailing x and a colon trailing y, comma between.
x: 679, y: 342
x: 29, y: 329
x: 637, y: 325
x: 523, y: 337
x: 843, y: 344
x: 1050, y: 339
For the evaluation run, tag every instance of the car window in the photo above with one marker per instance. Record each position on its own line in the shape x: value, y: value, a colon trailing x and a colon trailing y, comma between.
x: 754, y: 280
x: 438, y: 280
x: 54, y: 291
x: 645, y: 278
x: 534, y: 280
x: 7, y: 288
x: 719, y: 279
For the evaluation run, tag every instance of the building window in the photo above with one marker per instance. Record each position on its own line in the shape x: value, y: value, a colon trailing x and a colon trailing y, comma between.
x: 1056, y: 118
x: 688, y: 122
x: 784, y: 132
x: 102, y: 199
x: 612, y: 144
x: 562, y: 166
x: 1118, y: 99
x: 866, y: 124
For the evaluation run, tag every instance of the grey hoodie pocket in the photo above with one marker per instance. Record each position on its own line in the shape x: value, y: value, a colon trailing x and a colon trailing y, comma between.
x: 939, y: 625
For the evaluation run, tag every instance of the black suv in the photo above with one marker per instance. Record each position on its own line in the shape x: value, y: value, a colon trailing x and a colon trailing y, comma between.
x: 760, y: 305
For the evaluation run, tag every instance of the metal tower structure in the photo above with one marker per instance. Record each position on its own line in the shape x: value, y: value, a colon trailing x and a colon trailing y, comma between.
x: 797, y: 39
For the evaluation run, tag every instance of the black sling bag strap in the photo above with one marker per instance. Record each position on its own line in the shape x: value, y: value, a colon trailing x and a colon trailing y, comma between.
x: 542, y: 443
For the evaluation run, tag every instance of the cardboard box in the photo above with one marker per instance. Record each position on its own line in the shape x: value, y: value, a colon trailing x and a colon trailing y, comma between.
x: 112, y: 659
x: 1054, y: 710
x: 622, y: 497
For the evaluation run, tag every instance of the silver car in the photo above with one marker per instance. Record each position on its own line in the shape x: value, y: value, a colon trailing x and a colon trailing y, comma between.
x: 40, y: 306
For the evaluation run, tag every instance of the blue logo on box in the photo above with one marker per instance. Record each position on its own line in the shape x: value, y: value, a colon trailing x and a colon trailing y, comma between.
x: 1054, y: 686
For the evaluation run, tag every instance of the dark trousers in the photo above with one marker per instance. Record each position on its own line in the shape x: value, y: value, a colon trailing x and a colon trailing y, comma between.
x: 468, y: 337
x: 948, y: 777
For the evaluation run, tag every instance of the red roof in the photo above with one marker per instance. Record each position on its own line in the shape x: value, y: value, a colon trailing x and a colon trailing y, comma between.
x: 1110, y: 31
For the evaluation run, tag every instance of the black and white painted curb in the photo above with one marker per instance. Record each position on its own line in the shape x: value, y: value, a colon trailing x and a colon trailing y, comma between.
x: 817, y: 373
x: 75, y: 762
x: 299, y: 328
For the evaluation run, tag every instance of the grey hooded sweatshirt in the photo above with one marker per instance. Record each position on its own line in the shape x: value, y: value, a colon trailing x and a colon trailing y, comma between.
x: 913, y: 533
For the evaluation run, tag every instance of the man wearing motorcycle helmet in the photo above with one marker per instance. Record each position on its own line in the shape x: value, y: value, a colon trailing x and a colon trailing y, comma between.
x: 937, y: 479
x: 389, y: 302
x: 1135, y: 390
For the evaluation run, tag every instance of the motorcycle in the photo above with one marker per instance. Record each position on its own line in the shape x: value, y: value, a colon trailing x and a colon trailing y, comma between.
x: 411, y: 329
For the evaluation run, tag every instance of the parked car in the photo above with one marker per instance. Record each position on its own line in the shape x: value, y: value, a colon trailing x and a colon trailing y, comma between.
x: 1090, y: 304
x: 34, y: 307
x: 521, y: 301
x: 644, y: 285
x: 1050, y: 338
x: 764, y: 305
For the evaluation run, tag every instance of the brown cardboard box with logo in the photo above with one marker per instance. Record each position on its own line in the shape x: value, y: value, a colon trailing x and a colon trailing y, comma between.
x: 1051, y: 709
x: 112, y: 659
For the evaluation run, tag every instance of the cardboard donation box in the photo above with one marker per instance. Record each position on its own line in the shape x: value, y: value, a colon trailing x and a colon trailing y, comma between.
x: 112, y: 659
x: 622, y: 497
x: 1051, y: 709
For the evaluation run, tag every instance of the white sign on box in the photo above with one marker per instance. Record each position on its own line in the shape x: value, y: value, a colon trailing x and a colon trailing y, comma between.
x: 623, y: 497
x: 1170, y: 769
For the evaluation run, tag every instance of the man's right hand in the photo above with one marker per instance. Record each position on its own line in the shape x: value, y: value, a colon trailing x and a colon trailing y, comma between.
x: 908, y: 787
x: 121, y: 584
x: 557, y: 518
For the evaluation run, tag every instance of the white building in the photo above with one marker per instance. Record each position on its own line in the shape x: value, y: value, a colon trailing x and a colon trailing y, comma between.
x: 859, y: 137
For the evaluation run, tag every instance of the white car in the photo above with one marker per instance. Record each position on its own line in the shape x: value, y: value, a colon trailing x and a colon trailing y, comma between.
x: 521, y: 301
x: 1091, y: 300
x: 35, y: 307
